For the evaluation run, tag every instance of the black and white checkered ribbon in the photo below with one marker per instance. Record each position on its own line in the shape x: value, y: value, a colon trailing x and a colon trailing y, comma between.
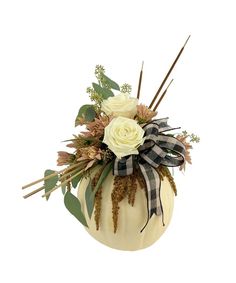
x: 158, y: 149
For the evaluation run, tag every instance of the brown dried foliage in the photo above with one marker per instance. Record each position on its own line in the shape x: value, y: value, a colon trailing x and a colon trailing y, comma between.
x: 125, y: 186
x: 140, y: 179
x: 163, y: 171
x: 118, y: 194
x: 98, y: 199
x: 131, y: 189
x: 183, y: 138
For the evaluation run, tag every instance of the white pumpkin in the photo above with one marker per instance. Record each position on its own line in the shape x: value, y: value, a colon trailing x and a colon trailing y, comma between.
x: 131, y: 219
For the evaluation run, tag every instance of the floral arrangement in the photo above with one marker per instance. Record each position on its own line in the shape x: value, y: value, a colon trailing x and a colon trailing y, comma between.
x: 123, y: 136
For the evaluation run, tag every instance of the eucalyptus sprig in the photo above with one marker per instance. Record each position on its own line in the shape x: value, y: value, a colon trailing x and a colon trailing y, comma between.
x: 192, y: 137
x: 126, y: 88
x: 99, y: 91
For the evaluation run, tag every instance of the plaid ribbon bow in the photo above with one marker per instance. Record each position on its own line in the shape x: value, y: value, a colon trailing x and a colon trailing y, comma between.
x: 158, y: 149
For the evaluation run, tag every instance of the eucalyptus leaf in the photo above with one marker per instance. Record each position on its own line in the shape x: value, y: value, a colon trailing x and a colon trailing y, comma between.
x: 103, y: 176
x: 104, y: 92
x: 89, y: 198
x: 90, y: 114
x: 51, y: 182
x: 63, y: 189
x: 83, y: 109
x: 76, y: 180
x: 82, y: 112
x: 72, y: 203
x: 111, y: 83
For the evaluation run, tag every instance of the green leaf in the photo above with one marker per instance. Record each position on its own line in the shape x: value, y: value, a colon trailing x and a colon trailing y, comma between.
x: 111, y: 83
x: 90, y: 114
x: 83, y: 109
x: 76, y: 180
x: 103, y: 176
x: 82, y: 112
x: 63, y: 189
x: 89, y: 198
x: 51, y: 182
x: 73, y: 205
x: 104, y: 92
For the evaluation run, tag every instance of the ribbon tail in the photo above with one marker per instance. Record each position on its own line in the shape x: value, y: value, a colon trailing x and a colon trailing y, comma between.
x: 153, y: 183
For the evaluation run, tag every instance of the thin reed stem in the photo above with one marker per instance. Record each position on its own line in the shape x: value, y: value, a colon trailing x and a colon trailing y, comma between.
x: 162, y: 96
x: 140, y: 81
x: 168, y: 73
x: 34, y: 192
x: 49, y: 176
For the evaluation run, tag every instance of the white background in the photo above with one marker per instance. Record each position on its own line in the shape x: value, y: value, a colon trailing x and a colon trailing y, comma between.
x: 48, y: 50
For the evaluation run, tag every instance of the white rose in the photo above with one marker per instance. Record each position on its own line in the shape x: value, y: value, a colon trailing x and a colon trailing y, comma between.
x: 123, y: 136
x: 120, y: 105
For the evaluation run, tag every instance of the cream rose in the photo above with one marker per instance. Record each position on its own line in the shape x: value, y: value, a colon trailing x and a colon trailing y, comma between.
x: 123, y: 136
x: 120, y: 105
